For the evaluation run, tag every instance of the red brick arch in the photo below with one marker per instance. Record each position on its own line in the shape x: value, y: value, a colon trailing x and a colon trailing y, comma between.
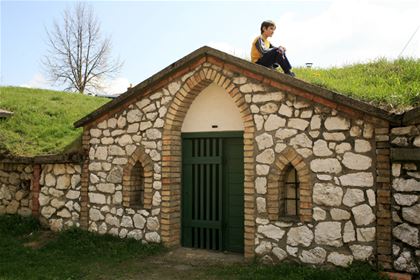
x: 172, y: 156
x: 275, y: 182
x: 146, y: 162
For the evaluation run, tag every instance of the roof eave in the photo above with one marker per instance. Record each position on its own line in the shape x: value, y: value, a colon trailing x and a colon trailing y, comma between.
x: 252, y: 67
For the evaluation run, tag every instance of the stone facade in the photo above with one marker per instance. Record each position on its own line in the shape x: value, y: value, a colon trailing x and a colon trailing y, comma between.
x: 15, y: 192
x: 59, y: 196
x: 347, y: 208
x: 334, y: 155
x: 406, y: 202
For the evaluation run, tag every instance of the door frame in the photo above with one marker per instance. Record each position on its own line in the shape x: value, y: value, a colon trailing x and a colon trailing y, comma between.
x: 209, y: 134
x: 215, y: 134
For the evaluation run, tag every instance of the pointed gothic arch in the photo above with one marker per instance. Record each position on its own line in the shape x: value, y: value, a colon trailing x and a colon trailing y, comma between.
x: 276, y: 180
x: 138, y: 170
x: 172, y: 155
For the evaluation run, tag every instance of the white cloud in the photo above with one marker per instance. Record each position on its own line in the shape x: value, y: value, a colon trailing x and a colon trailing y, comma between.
x: 230, y: 49
x: 350, y: 31
x: 109, y: 87
x: 115, y: 86
x: 37, y: 81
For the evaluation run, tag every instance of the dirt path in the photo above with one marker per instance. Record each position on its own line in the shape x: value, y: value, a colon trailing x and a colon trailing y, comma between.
x: 183, y: 263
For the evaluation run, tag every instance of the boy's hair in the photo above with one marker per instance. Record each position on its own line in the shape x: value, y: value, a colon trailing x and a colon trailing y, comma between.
x: 266, y: 24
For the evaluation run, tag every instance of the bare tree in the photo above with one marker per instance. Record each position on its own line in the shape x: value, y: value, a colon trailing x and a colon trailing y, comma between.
x: 78, y: 56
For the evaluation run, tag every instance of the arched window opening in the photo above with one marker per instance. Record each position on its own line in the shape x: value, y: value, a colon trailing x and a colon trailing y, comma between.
x: 137, y: 186
x: 289, y: 190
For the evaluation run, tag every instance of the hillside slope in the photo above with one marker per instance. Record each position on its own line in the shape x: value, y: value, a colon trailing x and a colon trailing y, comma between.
x: 391, y: 85
x: 42, y: 122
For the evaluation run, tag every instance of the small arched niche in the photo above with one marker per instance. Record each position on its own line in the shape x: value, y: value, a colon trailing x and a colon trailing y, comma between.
x: 213, y: 110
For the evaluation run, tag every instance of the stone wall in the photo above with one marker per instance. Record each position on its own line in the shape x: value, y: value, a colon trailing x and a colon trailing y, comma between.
x: 53, y: 195
x: 406, y: 202
x: 15, y: 189
x: 334, y: 156
x: 342, y: 159
x: 59, y: 196
x: 116, y: 144
x: 334, y: 153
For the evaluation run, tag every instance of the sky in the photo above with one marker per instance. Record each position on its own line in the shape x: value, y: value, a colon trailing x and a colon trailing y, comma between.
x: 150, y: 35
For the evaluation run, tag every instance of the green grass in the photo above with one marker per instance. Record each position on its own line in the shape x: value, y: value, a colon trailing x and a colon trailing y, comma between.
x: 77, y: 254
x: 292, y: 271
x: 72, y: 254
x: 43, y: 120
x: 391, y: 85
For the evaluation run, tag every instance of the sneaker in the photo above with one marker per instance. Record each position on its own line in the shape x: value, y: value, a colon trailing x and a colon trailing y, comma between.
x: 291, y: 74
x: 275, y: 66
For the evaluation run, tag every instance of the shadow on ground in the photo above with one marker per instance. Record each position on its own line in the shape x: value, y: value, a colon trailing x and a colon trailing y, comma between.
x: 184, y: 263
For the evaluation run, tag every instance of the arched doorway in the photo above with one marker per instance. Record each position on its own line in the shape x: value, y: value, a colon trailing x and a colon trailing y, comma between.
x: 172, y: 155
x: 212, y: 209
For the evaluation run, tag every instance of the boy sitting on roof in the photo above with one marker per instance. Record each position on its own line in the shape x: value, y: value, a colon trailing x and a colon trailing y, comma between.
x: 264, y: 53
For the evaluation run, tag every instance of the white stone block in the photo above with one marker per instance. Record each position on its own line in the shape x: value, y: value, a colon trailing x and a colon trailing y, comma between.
x: 267, y: 156
x: 264, y: 141
x: 321, y: 148
x: 274, y: 122
x: 316, y: 122
x: 300, y: 236
x: 359, y: 179
x: 406, y: 185
x: 362, y: 146
x: 261, y: 185
x: 271, y: 231
x: 405, y: 199
x: 407, y: 234
x: 328, y: 165
x: 285, y: 110
x: 356, y: 161
x: 264, y: 248
x: 327, y: 194
x: 361, y: 253
x: 268, y: 108
x: 349, y: 234
x: 301, y: 140
x: 340, y: 259
x: 319, y: 214
x: 298, y: 124
x: 314, y: 256
x: 366, y: 234
x: 261, y: 205
x: 328, y: 233
x: 279, y: 253
x: 97, y: 198
x: 339, y: 214
x: 363, y: 215
x: 412, y: 214
x: 337, y: 123
x: 284, y: 133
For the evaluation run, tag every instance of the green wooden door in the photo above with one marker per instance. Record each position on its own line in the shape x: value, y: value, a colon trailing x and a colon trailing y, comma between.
x: 212, y: 191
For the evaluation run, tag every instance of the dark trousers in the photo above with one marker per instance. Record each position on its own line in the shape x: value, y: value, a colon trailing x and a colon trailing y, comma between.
x: 272, y: 58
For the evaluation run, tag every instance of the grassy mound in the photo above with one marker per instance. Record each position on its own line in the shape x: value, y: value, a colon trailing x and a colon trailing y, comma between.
x: 391, y: 85
x: 42, y: 122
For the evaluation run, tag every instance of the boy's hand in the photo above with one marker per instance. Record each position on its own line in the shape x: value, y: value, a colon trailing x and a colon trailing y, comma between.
x: 281, y: 49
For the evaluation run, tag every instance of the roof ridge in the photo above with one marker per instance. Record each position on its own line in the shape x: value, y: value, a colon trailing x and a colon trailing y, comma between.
x: 206, y: 51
